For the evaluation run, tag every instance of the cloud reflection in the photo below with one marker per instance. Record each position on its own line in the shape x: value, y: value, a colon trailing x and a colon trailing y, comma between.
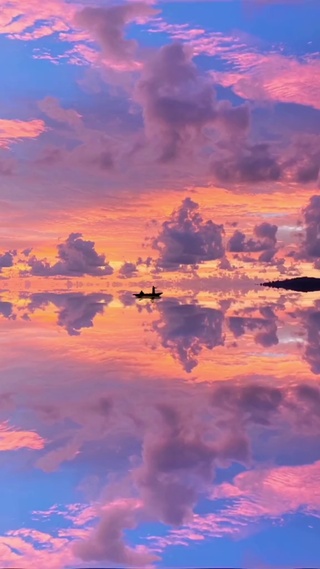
x: 75, y: 310
x: 149, y: 462
x: 185, y: 329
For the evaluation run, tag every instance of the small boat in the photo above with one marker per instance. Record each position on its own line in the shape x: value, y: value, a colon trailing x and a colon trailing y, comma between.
x: 151, y: 295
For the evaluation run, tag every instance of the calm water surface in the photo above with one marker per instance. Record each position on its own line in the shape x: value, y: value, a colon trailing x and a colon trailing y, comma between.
x: 179, y: 433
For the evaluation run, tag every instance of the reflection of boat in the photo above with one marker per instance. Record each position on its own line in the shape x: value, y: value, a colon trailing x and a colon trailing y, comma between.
x: 151, y: 295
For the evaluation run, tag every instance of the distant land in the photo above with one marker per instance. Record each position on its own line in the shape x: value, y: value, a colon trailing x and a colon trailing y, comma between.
x: 300, y: 284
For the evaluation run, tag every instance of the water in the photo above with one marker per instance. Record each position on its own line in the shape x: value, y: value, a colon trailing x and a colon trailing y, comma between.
x: 177, y: 433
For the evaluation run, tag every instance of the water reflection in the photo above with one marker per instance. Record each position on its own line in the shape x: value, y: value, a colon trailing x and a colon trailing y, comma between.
x: 163, y: 434
x: 185, y: 329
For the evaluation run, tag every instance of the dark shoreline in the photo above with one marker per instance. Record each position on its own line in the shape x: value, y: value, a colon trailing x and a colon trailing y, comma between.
x: 299, y: 284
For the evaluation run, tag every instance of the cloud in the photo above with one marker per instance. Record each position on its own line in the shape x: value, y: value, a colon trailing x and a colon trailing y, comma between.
x: 11, y: 439
x: 267, y: 335
x: 92, y: 149
x: 311, y: 320
x: 76, y: 257
x: 21, y: 22
x: 186, y: 329
x: 266, y: 76
x: 7, y: 259
x: 253, y: 164
x: 76, y: 310
x: 179, y: 463
x: 106, y: 25
x: 93, y: 419
x: 106, y: 541
x: 264, y: 241
x: 127, y: 298
x: 51, y: 108
x: 308, y: 397
x: 310, y: 247
x: 256, y: 403
x: 186, y: 239
x: 178, y: 103
x: 128, y: 270
x: 92, y: 153
x: 272, y: 492
x: 305, y: 159
x: 272, y: 77
x: 35, y: 548
x: 53, y: 458
x: 6, y: 309
x: 253, y: 496
x: 7, y: 166
x: 180, y: 432
x: 26, y: 252
x: 16, y: 130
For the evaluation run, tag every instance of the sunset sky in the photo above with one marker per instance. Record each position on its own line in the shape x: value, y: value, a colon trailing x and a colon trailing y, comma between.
x: 174, y: 143
x: 154, y: 130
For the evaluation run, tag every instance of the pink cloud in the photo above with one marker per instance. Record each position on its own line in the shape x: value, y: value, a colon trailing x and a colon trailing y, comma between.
x: 273, y: 492
x: 310, y: 246
x: 176, y: 31
x: 11, y: 130
x: 273, y: 77
x: 7, y: 259
x: 186, y: 239
x: 179, y: 463
x: 51, y: 461
x: 106, y: 543
x: 186, y: 329
x: 11, y: 439
x: 76, y: 257
x: 199, y: 528
x: 19, y: 20
x: 78, y: 25
x: 78, y: 514
x: 106, y: 26
x: 32, y: 548
x: 311, y: 318
x: 264, y: 241
x: 128, y: 270
x: 75, y: 310
x: 253, y: 496
x: 253, y: 76
x: 179, y: 103
x: 94, y: 150
x: 181, y: 432
x: 7, y: 165
x: 51, y: 108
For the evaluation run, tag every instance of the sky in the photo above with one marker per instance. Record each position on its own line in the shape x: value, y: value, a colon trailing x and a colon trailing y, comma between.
x: 156, y: 129
x: 175, y: 144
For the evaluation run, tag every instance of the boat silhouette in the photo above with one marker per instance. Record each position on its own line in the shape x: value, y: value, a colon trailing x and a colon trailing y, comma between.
x: 153, y: 295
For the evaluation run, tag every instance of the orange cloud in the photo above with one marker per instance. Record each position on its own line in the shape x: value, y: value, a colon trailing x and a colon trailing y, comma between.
x: 16, y: 130
x: 14, y: 440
